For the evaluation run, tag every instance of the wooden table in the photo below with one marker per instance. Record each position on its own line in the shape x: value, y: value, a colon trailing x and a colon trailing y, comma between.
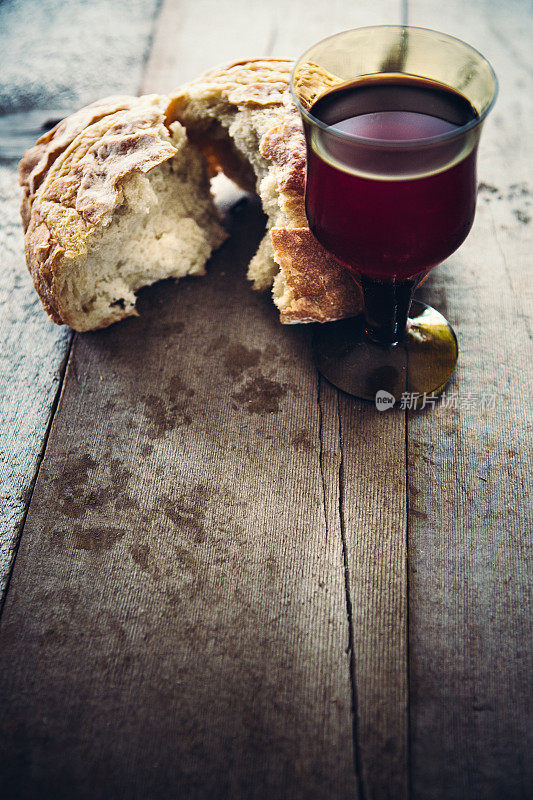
x: 222, y: 577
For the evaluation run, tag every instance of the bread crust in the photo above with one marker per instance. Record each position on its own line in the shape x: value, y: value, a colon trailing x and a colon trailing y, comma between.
x: 36, y: 162
x: 72, y: 186
x: 315, y: 289
x: 256, y: 82
x: 71, y: 181
x: 319, y: 288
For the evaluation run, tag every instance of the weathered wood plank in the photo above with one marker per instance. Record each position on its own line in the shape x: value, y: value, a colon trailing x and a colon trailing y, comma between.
x: 61, y: 54
x: 189, y: 39
x: 372, y: 526
x: 32, y: 358
x: 470, y: 468
x: 371, y: 521
x: 33, y: 350
x: 373, y: 517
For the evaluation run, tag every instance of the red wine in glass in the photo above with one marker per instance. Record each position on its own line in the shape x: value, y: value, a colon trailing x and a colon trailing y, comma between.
x: 390, y: 226
x: 390, y: 214
x: 393, y: 116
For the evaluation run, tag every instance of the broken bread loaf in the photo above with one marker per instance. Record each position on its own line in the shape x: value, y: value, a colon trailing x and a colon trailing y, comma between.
x: 114, y: 198
x: 117, y: 196
x: 243, y: 118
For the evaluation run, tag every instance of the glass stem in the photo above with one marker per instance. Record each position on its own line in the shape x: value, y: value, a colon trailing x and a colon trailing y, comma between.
x: 386, y: 308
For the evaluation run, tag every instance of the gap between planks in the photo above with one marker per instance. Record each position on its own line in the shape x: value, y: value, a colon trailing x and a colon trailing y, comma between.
x: 349, y: 614
x: 4, y: 587
x: 29, y: 496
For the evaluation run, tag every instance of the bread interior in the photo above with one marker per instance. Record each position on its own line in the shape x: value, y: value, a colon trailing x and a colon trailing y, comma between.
x: 165, y: 226
x: 231, y: 141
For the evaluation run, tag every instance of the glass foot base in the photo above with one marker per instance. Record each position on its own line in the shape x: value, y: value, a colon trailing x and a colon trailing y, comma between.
x: 423, y: 362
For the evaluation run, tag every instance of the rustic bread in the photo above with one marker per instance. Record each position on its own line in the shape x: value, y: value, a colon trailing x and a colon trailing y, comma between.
x: 117, y: 197
x: 114, y: 199
x: 243, y: 118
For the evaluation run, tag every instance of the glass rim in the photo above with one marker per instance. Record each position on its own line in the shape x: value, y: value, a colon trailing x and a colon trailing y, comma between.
x: 391, y: 144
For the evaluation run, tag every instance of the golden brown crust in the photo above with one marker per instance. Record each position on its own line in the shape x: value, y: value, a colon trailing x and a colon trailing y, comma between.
x: 76, y: 183
x: 35, y: 163
x: 257, y: 82
x: 317, y: 287
x: 311, y: 81
x: 42, y: 255
x: 285, y: 146
x: 90, y: 171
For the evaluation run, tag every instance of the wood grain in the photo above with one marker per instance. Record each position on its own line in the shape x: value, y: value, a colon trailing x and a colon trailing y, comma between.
x: 32, y: 359
x: 189, y: 39
x: 374, y: 518
x: 210, y: 594
x: 188, y: 609
x: 373, y: 541
x: 197, y: 606
x: 378, y: 588
x: 215, y: 561
x: 33, y: 351
x: 470, y: 469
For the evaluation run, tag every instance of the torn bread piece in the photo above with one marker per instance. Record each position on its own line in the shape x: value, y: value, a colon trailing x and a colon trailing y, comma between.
x: 114, y: 198
x: 243, y: 118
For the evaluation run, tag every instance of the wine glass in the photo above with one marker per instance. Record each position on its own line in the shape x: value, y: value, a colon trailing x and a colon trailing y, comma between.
x: 392, y: 118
